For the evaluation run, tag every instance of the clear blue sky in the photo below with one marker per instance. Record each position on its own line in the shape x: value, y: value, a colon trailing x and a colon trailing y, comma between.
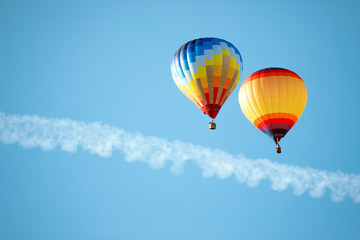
x: 109, y: 61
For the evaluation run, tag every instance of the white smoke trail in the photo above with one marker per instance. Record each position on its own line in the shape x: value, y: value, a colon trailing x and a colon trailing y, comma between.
x: 34, y: 131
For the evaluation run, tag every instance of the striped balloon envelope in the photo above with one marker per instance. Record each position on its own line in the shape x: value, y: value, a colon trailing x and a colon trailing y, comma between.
x: 207, y: 70
x: 273, y: 100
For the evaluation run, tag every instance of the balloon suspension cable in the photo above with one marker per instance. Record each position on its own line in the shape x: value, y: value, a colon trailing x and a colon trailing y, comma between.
x: 212, y: 124
x: 278, y: 148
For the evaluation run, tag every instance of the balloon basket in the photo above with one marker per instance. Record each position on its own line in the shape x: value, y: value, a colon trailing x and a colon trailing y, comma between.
x: 278, y: 149
x: 212, y: 125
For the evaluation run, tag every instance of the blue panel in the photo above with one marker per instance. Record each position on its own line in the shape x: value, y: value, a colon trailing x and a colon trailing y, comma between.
x: 192, y: 57
x: 216, y: 41
x: 208, y: 44
x: 191, y: 48
x: 184, y: 61
x: 199, y: 48
x: 191, y: 52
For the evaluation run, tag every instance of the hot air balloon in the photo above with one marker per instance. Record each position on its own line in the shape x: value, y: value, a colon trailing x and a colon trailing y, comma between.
x: 273, y: 100
x: 207, y: 70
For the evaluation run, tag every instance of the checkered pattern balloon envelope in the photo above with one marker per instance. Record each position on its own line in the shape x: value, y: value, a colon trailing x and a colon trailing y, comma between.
x: 207, y: 70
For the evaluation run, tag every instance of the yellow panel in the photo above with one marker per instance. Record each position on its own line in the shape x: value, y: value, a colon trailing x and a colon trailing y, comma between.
x: 209, y: 62
x: 217, y: 59
x: 252, y: 100
x: 231, y: 72
x: 237, y: 78
x: 301, y: 101
x: 201, y: 72
x: 193, y: 90
x: 232, y: 61
x: 244, y: 104
x: 258, y: 94
x: 290, y: 90
x: 217, y: 70
x: 226, y: 52
x: 192, y: 84
x: 204, y: 82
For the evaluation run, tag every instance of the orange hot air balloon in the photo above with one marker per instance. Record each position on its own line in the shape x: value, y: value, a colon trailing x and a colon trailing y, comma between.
x: 273, y: 99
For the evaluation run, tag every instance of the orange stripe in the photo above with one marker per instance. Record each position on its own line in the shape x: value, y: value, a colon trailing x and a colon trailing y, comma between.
x: 227, y: 83
x: 216, y: 81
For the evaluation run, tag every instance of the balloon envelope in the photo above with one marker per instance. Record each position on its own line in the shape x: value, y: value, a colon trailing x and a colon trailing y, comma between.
x: 273, y: 100
x: 207, y: 70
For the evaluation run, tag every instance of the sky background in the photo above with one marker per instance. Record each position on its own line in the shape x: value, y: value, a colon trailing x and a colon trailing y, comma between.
x: 109, y: 61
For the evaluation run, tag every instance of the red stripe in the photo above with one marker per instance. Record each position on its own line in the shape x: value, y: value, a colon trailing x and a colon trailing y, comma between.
x: 215, y: 94
x: 207, y: 97
x: 222, y: 95
x: 271, y: 72
x: 267, y: 122
x: 275, y: 115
